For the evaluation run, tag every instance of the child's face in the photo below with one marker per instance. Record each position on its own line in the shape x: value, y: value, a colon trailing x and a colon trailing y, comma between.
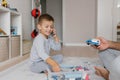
x: 46, y: 27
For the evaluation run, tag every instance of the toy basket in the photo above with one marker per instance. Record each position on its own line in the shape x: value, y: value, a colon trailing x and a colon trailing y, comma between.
x: 26, y: 46
x: 4, y: 48
x: 15, y: 46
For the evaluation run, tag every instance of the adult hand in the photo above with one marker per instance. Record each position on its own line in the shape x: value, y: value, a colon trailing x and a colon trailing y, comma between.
x: 104, y: 44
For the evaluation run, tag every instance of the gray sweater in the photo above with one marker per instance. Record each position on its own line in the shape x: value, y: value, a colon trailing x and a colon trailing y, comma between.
x: 41, y: 48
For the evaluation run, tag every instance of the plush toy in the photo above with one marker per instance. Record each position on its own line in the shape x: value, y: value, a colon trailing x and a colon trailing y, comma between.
x: 2, y: 32
x: 4, y: 3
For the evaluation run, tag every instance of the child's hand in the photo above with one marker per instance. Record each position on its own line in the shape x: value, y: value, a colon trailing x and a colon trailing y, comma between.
x: 55, y: 36
x: 54, y: 32
x: 56, y: 68
x: 53, y: 64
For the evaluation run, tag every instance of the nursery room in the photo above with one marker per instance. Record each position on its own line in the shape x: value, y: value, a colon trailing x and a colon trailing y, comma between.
x: 85, y: 31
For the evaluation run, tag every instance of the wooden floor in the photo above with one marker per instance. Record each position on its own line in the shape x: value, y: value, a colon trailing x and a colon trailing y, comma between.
x: 8, y: 63
x: 75, y: 51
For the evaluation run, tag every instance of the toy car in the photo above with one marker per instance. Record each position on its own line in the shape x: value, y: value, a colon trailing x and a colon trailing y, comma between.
x: 95, y: 42
x: 69, y: 75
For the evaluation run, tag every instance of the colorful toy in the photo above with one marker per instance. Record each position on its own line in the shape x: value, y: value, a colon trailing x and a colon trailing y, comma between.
x: 34, y: 33
x: 74, y: 73
x: 35, y: 13
x: 95, y: 42
x: 14, y: 30
x: 4, y: 3
x: 2, y: 32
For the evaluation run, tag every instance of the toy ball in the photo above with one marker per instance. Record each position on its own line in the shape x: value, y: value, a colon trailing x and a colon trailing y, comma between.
x: 35, y: 13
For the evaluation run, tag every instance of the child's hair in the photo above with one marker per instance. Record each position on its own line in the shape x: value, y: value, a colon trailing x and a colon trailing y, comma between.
x: 45, y: 17
x: 41, y: 18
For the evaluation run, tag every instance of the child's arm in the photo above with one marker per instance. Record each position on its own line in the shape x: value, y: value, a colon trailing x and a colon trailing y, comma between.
x: 56, y: 38
x: 53, y: 64
x: 55, y: 42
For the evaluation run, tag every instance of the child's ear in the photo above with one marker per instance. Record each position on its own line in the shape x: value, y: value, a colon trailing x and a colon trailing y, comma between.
x: 38, y: 26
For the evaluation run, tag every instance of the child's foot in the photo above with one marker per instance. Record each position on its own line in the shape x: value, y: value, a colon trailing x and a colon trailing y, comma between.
x: 42, y: 72
x: 46, y: 72
x: 102, y: 72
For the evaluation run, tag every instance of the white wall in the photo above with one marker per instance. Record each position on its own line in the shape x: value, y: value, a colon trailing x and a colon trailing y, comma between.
x: 82, y: 19
x: 79, y: 21
x: 116, y: 18
x: 54, y: 8
x: 105, y: 19
x: 24, y: 7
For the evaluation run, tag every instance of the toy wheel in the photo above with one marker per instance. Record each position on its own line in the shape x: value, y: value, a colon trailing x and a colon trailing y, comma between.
x: 96, y: 45
x: 88, y: 43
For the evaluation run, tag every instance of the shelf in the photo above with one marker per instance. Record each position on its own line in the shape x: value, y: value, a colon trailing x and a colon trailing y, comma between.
x: 3, y: 9
x: 13, y: 41
x: 15, y: 35
x: 15, y: 13
x: 4, y: 48
x: 4, y: 35
x: 15, y: 46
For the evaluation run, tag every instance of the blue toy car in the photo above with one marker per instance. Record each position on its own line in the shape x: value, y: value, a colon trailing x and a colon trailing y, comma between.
x: 95, y: 42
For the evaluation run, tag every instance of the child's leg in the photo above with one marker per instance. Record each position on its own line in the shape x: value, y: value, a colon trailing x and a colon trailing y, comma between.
x: 107, y: 56
x: 58, y: 58
x: 39, y: 67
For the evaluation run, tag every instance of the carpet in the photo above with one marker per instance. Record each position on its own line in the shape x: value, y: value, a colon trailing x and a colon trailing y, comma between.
x: 21, y: 71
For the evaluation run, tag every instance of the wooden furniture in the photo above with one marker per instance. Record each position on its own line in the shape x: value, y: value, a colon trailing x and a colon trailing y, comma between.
x: 11, y: 42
